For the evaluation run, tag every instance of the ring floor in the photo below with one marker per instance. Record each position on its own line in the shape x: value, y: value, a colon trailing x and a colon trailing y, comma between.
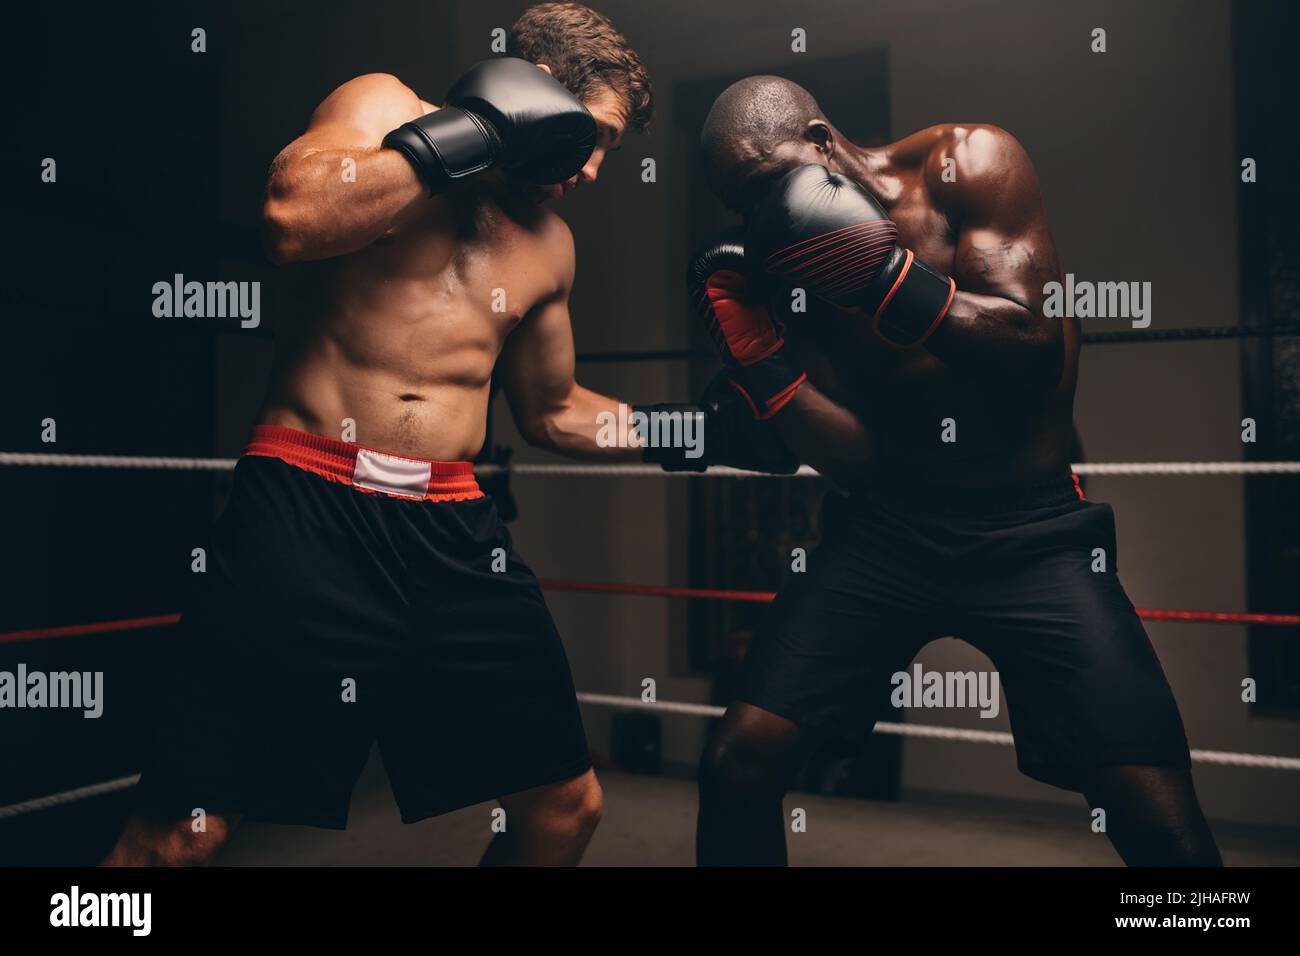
x: 650, y: 821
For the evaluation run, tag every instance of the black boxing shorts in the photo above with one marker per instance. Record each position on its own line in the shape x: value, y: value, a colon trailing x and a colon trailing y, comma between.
x: 1011, y: 572
x: 353, y: 596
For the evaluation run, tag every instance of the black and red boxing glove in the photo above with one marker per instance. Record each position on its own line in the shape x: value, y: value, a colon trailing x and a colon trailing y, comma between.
x: 506, y: 114
x: 823, y: 232
x: 740, y: 321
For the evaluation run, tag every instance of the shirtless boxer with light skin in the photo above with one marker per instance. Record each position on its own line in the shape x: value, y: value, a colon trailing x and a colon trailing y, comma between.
x: 365, y: 588
x: 984, y: 538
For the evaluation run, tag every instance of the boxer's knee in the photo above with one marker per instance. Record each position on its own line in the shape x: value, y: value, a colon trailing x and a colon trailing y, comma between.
x: 734, y: 767
x: 570, y: 810
x: 752, y: 753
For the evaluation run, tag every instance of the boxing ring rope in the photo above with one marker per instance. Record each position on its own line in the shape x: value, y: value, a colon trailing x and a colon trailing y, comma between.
x: 1189, y: 334
x: 925, y: 731
x: 94, y: 627
x: 575, y: 470
x: 1222, y: 757
x: 715, y: 594
x: 638, y: 590
x: 1134, y: 468
x: 52, y: 800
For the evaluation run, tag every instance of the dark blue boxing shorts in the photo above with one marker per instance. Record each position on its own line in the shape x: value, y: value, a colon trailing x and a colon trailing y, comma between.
x: 1008, y: 571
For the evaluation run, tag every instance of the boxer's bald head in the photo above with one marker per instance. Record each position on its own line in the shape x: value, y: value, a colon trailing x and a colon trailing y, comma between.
x: 756, y: 127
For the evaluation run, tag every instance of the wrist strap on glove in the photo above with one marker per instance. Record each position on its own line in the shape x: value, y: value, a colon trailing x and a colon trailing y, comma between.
x: 445, y: 146
x: 672, y: 435
x: 908, y: 300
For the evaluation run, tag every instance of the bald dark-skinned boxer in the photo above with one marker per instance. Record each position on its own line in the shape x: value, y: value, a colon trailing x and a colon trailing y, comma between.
x: 923, y: 264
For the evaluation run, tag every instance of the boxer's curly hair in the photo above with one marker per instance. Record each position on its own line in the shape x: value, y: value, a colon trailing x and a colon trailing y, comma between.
x: 584, y: 51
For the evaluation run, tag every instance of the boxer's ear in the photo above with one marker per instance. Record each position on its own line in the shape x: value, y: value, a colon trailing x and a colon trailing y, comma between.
x: 820, y: 134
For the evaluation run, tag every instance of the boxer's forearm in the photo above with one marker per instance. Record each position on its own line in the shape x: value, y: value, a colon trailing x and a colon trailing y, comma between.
x: 1000, y: 342
x: 583, y: 425
x: 826, y: 435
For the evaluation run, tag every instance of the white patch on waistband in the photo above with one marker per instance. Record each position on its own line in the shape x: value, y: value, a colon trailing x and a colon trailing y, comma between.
x: 404, y: 477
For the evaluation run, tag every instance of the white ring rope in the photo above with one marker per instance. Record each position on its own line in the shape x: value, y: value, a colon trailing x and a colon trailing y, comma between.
x: 1091, y: 468
x: 68, y: 796
x: 149, y: 463
x: 1223, y: 757
x: 156, y: 463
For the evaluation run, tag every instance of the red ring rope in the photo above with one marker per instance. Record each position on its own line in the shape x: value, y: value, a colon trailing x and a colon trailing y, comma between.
x: 640, y: 590
x: 659, y: 590
x: 78, y: 630
x: 713, y: 594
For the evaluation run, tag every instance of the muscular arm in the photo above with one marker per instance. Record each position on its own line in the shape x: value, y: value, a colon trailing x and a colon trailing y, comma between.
x: 536, y: 370
x: 315, y: 206
x: 995, y: 328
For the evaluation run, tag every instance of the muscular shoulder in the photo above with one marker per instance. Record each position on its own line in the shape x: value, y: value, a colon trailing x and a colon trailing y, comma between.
x: 973, y: 165
x: 373, y: 103
x: 555, y: 246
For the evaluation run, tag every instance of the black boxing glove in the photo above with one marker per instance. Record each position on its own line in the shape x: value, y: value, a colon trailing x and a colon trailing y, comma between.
x: 824, y: 232
x: 504, y: 113
x: 723, y: 431
x: 739, y: 319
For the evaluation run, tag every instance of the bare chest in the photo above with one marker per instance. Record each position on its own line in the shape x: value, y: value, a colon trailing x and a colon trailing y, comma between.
x: 475, y: 262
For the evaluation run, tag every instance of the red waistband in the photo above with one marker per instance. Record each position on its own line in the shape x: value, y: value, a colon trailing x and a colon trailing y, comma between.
x: 366, y: 469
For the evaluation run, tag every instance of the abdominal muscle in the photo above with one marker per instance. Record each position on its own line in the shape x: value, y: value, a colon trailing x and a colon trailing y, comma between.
x: 407, y: 358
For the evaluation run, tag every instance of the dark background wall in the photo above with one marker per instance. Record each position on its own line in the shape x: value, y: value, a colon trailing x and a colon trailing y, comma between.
x: 163, y: 155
